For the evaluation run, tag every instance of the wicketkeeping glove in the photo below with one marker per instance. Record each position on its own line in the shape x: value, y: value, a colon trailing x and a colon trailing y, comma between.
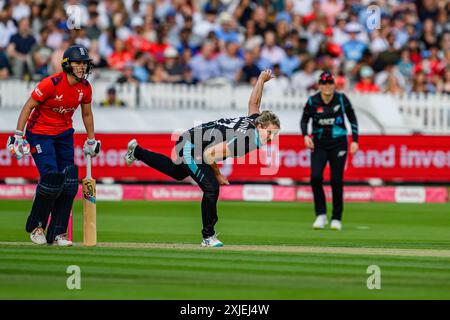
x: 17, y: 145
x: 91, y: 147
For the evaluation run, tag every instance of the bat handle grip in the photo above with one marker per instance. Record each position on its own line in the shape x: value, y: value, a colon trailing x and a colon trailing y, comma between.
x: 88, y: 166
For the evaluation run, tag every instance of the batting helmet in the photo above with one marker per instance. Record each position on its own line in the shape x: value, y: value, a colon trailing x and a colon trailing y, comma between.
x: 73, y: 54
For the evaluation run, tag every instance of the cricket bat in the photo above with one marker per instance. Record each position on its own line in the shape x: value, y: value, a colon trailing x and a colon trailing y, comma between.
x: 89, y: 207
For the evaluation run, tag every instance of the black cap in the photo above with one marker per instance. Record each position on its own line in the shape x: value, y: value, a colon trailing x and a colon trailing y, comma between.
x: 111, y: 90
x: 326, y: 77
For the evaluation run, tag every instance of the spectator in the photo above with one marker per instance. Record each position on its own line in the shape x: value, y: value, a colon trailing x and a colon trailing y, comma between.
x: 331, y: 9
x: 291, y: 62
x: 127, y: 75
x: 4, y: 66
x: 262, y: 24
x: 270, y: 51
x: 280, y: 83
x: 137, y: 42
x: 157, y: 48
x: 250, y: 71
x: 188, y: 76
x: 92, y: 29
x: 230, y: 63
x: 55, y: 35
x: 35, y: 18
x: 205, y: 24
x: 120, y: 56
x: 19, y: 50
x: 392, y: 85
x: 97, y: 60
x: 57, y: 55
x: 204, y: 67
x: 243, y: 12
x: 111, y: 100
x: 140, y: 71
x: 251, y: 38
x: 333, y: 33
x: 340, y: 36
x: 226, y: 32
x: 405, y: 65
x: 390, y: 56
x: 385, y: 78
x: 444, y: 86
x: 366, y: 84
x: 159, y: 74
x: 186, y: 41
x: 305, y: 79
x: 106, y: 43
x: 354, y: 48
x: 41, y: 55
x: 429, y: 37
x: 7, y: 26
x: 420, y: 84
x: 173, y: 68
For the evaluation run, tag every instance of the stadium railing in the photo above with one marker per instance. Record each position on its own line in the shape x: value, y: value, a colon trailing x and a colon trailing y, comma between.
x: 421, y: 113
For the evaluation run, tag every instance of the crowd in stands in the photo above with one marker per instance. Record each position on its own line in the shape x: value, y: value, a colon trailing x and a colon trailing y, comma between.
x: 188, y: 41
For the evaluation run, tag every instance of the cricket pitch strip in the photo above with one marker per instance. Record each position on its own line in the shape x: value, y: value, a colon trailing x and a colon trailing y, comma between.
x: 268, y: 248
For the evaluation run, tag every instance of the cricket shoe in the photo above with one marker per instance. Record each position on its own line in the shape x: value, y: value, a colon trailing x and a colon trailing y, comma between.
x: 38, y: 236
x: 321, y: 221
x: 336, y: 225
x: 212, y: 242
x: 129, y: 157
x: 62, y: 240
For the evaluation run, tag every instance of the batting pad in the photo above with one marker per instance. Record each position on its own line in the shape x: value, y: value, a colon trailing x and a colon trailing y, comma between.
x: 48, y: 189
x: 63, y: 204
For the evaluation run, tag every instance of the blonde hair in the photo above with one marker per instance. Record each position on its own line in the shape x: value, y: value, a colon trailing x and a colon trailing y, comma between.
x: 266, y: 118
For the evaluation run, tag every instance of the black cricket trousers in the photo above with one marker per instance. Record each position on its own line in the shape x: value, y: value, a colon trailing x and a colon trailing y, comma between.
x: 186, y: 165
x: 335, y: 152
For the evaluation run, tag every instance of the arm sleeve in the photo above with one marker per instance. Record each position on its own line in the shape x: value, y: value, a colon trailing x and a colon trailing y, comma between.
x: 305, y: 117
x: 43, y: 90
x: 351, y: 116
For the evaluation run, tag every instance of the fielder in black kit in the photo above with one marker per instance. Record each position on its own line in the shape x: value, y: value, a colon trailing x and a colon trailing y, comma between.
x: 198, y: 149
x: 328, y: 144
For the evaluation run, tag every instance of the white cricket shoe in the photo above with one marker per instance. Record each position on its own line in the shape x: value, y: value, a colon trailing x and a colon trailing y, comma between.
x: 38, y: 236
x: 320, y: 222
x: 129, y: 157
x: 336, y: 224
x: 212, y: 242
x: 62, y: 240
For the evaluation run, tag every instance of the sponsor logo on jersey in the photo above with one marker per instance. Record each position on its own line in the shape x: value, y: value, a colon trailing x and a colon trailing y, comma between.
x: 341, y: 153
x: 63, y: 110
x: 326, y: 121
x: 38, y: 92
x: 59, y: 98
x: 38, y: 148
x: 80, y: 95
x: 319, y: 109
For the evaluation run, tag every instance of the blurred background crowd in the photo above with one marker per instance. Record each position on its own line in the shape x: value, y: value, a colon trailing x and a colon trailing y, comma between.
x: 183, y: 41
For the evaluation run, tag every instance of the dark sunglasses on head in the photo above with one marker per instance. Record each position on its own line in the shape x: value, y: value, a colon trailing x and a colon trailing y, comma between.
x: 326, y: 81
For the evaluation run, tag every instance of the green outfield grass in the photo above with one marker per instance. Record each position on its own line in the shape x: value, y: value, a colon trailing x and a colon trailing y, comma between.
x: 195, y: 273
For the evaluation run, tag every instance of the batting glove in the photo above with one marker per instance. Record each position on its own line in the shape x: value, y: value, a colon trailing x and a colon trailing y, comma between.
x: 17, y: 145
x: 91, y: 147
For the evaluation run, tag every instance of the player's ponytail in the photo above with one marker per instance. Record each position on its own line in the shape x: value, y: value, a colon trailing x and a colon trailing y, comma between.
x: 266, y: 118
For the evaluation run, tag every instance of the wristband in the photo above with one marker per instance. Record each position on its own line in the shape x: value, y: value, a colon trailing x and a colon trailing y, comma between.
x: 18, y: 133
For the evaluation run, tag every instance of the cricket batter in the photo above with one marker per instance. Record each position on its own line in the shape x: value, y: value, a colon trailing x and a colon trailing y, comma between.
x: 328, y: 144
x: 199, y: 148
x: 47, y: 115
